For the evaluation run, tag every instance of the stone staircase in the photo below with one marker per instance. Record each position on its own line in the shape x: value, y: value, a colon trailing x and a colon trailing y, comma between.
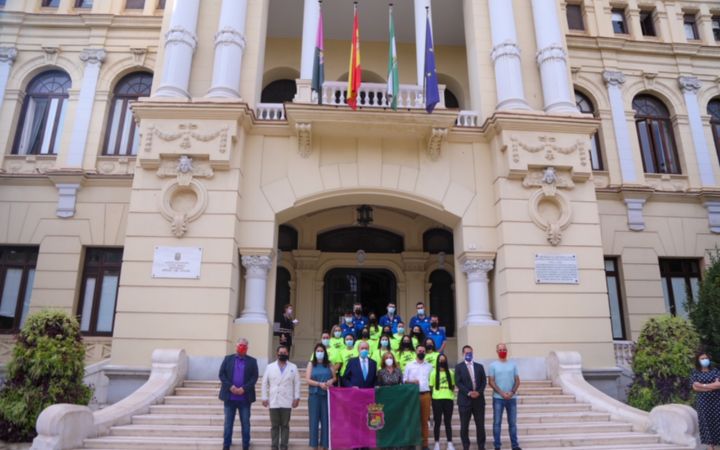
x: 192, y: 418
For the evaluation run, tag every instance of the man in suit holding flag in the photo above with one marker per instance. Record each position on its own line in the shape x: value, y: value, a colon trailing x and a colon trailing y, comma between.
x: 361, y: 372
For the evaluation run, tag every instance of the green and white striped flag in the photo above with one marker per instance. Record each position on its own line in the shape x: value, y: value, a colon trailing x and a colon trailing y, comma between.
x: 393, y: 82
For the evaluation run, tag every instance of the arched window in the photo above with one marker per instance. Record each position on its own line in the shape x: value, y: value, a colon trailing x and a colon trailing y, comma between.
x: 43, y: 114
x: 352, y: 239
x: 122, y: 134
x: 442, y: 301
x: 584, y: 105
x: 451, y: 101
x: 287, y: 238
x: 714, y: 111
x: 436, y: 240
x: 654, y: 129
x: 279, y: 91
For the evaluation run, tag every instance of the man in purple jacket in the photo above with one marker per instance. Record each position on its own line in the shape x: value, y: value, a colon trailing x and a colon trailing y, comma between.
x: 238, y: 375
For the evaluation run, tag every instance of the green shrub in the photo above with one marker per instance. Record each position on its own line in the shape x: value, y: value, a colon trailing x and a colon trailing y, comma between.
x: 664, y: 359
x: 47, y: 367
x: 705, y: 311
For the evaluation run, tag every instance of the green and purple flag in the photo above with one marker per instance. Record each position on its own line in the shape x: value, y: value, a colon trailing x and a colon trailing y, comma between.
x: 319, y: 61
x: 382, y: 417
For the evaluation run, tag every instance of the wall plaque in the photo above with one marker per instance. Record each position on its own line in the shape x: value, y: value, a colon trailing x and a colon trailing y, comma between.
x: 177, y: 262
x: 556, y: 269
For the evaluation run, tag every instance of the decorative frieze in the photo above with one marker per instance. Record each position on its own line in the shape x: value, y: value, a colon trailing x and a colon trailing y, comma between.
x: 304, y: 135
x: 550, y: 148
x: 552, y: 224
x: 187, y: 133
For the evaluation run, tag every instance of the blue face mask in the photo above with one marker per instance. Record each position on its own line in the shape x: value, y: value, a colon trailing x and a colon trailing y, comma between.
x: 326, y: 342
x: 384, y: 343
x: 349, y: 343
x: 401, y: 330
x: 705, y: 363
x: 338, y: 334
x: 364, y: 353
x: 468, y: 356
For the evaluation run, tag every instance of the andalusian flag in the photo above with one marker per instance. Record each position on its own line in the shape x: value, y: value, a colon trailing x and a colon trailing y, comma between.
x: 431, y: 88
x: 355, y: 72
x: 381, y: 417
x: 319, y: 62
x: 393, y: 81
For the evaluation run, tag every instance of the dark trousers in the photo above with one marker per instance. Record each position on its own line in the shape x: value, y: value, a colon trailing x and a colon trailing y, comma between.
x: 476, y: 410
x: 442, y: 411
x: 231, y: 406
x: 279, y: 428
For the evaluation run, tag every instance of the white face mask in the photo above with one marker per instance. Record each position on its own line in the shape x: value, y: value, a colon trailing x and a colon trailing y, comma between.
x: 389, y: 362
x: 289, y: 311
x: 391, y: 310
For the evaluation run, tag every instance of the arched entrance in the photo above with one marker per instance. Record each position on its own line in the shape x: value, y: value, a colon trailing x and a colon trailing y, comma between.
x: 372, y: 288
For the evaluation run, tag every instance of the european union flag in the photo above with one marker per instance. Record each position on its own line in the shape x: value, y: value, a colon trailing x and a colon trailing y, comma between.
x: 431, y: 90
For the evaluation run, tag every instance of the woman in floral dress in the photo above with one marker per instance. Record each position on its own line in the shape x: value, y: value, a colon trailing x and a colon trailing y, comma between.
x: 706, y: 383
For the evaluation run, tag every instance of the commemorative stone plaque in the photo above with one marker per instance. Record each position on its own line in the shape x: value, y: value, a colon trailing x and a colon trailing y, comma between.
x: 556, y: 269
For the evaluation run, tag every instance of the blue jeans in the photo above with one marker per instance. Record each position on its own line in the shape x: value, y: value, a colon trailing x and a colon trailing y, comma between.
x: 318, y: 412
x: 244, y: 408
x: 511, y: 406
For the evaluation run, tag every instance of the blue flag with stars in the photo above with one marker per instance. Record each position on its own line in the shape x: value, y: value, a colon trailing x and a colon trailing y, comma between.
x: 431, y: 90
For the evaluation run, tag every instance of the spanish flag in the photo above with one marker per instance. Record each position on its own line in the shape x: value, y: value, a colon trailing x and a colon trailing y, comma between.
x: 355, y: 72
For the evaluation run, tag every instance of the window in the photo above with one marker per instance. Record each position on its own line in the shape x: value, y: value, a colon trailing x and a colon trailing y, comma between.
x: 352, y: 239
x: 161, y: 4
x: 287, y: 238
x: 436, y: 240
x: 17, y: 272
x: 584, y: 105
x: 690, y: 24
x: 442, y: 300
x: 714, y: 112
x: 618, y: 21
x: 647, y: 23
x: 451, y: 101
x: 83, y: 3
x: 279, y: 91
x: 135, y: 4
x: 122, y: 133
x: 50, y: 3
x: 575, y: 17
x: 612, y: 277
x: 716, y: 27
x: 101, y: 277
x: 654, y: 129
x: 680, y: 277
x: 43, y: 113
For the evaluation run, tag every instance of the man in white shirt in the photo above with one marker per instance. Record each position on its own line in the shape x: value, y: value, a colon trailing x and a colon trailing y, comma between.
x: 418, y: 372
x: 280, y: 392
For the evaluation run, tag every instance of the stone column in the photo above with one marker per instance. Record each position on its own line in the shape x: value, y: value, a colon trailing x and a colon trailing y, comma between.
x: 690, y: 86
x: 311, y: 16
x: 614, y: 81
x: 552, y: 59
x: 420, y: 24
x: 229, y: 49
x: 180, y: 44
x: 506, y: 57
x: 7, y: 58
x: 478, y: 292
x: 93, y: 59
x: 257, y: 267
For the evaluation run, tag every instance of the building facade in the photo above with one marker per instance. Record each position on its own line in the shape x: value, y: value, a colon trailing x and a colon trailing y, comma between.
x: 565, y: 190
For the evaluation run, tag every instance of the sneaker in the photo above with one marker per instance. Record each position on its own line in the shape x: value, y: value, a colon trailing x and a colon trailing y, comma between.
x: 437, y: 446
x: 450, y: 446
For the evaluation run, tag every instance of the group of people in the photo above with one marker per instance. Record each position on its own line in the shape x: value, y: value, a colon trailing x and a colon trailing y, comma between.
x: 705, y: 381
x: 364, y: 352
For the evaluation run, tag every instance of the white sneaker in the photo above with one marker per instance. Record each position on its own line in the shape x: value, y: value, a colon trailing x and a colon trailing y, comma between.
x: 450, y: 446
x: 437, y: 446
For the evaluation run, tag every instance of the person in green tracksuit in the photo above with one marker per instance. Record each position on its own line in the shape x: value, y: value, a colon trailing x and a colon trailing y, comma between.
x: 442, y: 387
x: 336, y: 338
x: 431, y: 355
x: 334, y: 355
x: 350, y: 351
x: 397, y: 337
x: 375, y: 331
x: 406, y: 353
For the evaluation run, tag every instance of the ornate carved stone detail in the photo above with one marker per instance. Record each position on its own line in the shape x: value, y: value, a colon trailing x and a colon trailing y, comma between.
x: 115, y: 166
x: 97, y: 349
x: 477, y: 269
x: 505, y: 49
x: 304, y: 134
x: 139, y: 55
x: 713, y: 209
x: 649, y: 79
x: 51, y: 54
x: 550, y: 53
x: 30, y: 164
x: 636, y: 221
x: 549, y: 176
x: 93, y: 56
x: 434, y: 148
x: 553, y: 226
x: 230, y: 36
x: 257, y: 266
x: 8, y: 55
x: 689, y: 84
x: 181, y: 35
x: 550, y: 147
x: 601, y: 181
x: 666, y: 183
x: 184, y: 199
x: 186, y: 135
x: 614, y: 78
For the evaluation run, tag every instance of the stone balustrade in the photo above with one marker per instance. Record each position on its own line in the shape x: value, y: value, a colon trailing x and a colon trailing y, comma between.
x: 270, y: 111
x: 374, y: 95
x: 624, y: 353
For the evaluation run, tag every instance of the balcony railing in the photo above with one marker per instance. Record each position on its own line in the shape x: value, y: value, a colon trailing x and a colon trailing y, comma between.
x: 270, y: 111
x: 467, y: 119
x: 374, y: 95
